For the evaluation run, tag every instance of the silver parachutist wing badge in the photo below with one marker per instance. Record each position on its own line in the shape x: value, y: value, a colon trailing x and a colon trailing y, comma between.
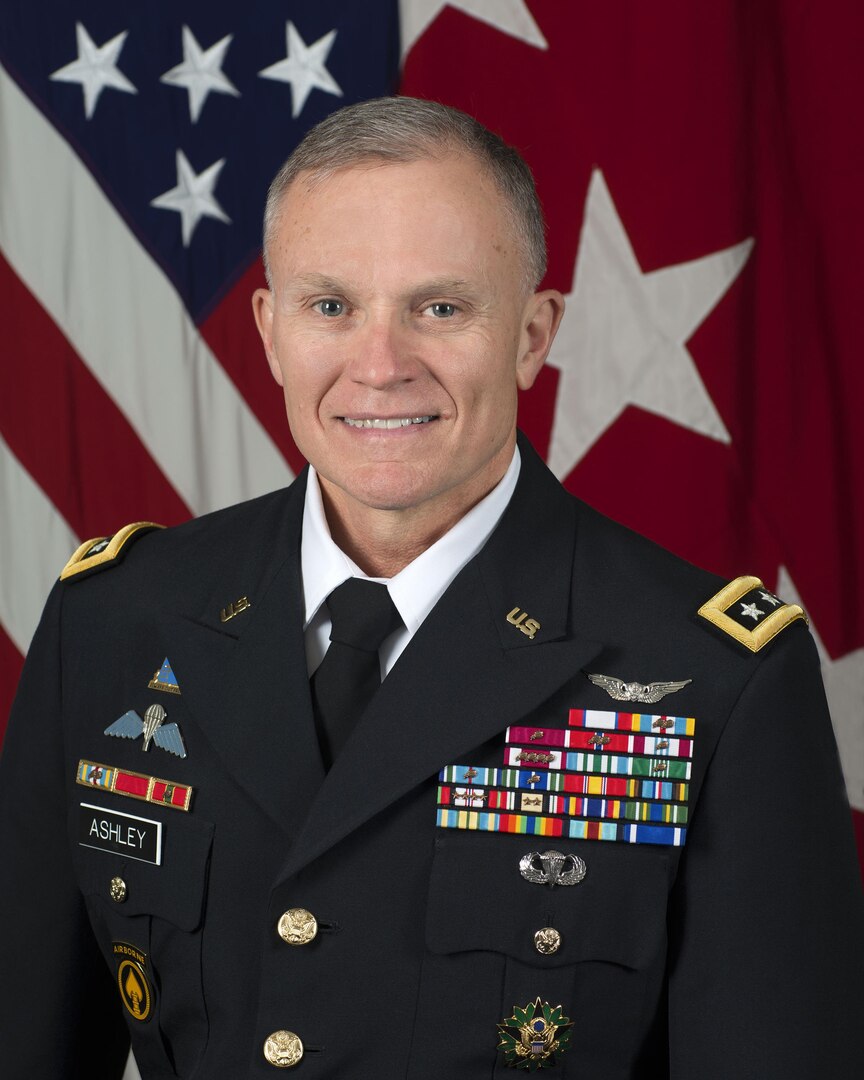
x: 552, y: 868
x: 152, y: 727
x: 644, y: 693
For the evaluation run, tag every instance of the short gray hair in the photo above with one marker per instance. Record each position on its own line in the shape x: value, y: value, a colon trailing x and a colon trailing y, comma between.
x: 403, y: 129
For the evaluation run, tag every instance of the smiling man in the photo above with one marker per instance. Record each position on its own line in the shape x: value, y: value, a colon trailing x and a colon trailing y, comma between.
x: 420, y: 768
x: 401, y: 321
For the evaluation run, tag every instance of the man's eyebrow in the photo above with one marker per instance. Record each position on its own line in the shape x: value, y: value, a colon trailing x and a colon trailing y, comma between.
x: 444, y: 285
x: 322, y: 283
x: 317, y: 283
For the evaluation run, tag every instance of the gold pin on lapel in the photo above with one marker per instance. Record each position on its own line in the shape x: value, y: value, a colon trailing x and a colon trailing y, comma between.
x: 520, y: 620
x: 234, y: 608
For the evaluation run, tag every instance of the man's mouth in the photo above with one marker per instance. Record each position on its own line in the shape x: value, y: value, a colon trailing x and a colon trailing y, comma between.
x: 386, y: 424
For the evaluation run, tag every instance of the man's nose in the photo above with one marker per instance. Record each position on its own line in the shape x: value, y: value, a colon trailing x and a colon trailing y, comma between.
x: 381, y: 352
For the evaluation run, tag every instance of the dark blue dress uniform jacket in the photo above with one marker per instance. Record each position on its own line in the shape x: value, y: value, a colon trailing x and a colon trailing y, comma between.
x: 735, y: 957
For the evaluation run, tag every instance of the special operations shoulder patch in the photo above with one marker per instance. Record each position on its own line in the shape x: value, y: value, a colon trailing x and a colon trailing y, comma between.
x: 136, y: 989
x: 751, y: 614
x: 102, y: 551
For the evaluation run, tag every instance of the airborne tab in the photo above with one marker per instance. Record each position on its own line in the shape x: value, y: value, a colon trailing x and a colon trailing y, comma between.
x: 747, y: 611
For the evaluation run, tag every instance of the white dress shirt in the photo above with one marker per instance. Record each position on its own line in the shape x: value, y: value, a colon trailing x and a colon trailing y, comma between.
x: 415, y: 590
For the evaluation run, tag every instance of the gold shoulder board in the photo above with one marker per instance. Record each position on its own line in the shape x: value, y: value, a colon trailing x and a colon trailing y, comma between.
x: 103, y: 551
x: 747, y: 611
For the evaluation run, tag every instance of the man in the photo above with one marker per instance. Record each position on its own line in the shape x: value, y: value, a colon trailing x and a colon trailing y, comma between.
x: 592, y: 819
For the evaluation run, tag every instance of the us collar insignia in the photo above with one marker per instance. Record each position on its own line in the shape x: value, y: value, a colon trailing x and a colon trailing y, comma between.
x: 533, y: 1035
x: 645, y: 693
x: 520, y: 620
x: 152, y: 727
x: 164, y: 679
x: 230, y: 610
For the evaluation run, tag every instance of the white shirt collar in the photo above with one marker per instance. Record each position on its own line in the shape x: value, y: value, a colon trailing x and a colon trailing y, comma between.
x: 417, y: 588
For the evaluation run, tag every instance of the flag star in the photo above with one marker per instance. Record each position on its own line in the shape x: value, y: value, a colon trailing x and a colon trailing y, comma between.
x: 509, y: 16
x: 304, y: 68
x: 201, y: 72
x: 622, y: 340
x: 844, y: 688
x: 769, y: 599
x: 193, y: 196
x: 751, y: 611
x: 95, y: 68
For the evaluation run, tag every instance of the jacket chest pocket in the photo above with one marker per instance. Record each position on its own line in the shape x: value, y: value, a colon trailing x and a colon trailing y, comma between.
x: 496, y: 942
x: 149, y: 920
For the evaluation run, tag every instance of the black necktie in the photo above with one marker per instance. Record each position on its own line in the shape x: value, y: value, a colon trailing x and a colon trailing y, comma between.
x: 362, y: 616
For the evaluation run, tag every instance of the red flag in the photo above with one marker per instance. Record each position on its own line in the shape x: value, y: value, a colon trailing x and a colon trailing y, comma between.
x: 701, y: 169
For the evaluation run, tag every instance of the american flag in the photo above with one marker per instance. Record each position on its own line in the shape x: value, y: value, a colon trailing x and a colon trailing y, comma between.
x: 701, y: 168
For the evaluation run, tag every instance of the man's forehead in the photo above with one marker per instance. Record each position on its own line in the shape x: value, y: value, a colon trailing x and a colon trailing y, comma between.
x: 437, y: 217
x: 430, y: 171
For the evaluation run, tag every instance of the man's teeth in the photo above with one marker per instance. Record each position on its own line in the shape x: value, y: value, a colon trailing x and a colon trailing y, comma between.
x: 387, y: 425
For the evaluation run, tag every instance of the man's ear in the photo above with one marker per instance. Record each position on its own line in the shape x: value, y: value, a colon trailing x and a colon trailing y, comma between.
x: 541, y: 319
x: 262, y: 308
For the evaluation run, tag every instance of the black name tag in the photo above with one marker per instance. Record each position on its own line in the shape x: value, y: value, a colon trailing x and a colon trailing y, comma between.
x: 121, y: 834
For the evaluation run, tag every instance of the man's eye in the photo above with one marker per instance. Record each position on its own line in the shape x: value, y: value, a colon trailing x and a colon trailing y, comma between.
x: 329, y: 307
x: 442, y: 310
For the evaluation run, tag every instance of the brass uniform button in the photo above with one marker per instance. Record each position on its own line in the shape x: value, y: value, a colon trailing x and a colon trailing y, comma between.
x: 547, y: 941
x: 283, y: 1049
x: 117, y: 890
x: 298, y: 926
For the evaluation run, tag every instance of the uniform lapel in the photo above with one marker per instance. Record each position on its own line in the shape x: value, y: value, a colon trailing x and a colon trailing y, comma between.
x: 244, y: 680
x: 468, y: 672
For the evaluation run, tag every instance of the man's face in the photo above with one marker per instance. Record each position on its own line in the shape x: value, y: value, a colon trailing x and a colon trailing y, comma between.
x: 400, y: 329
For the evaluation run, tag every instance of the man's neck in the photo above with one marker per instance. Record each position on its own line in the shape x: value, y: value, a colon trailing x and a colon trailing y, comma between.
x: 383, y: 542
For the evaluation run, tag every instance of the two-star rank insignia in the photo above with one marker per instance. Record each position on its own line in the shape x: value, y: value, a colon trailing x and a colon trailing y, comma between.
x: 103, y: 551
x: 152, y: 727
x: 751, y: 614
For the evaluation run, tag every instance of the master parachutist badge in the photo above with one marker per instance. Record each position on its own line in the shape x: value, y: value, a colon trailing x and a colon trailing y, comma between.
x: 552, y: 868
x: 533, y: 1035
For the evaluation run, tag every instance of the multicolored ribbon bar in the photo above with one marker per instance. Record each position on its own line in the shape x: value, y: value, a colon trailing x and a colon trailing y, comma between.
x: 566, y: 805
x: 573, y: 783
x: 150, y: 789
x: 586, y: 739
x: 645, y: 723
x: 577, y: 761
x: 573, y: 828
x: 606, y: 776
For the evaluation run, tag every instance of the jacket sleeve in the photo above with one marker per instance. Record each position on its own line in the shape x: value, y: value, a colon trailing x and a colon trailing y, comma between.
x: 60, y: 1015
x: 767, y: 922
